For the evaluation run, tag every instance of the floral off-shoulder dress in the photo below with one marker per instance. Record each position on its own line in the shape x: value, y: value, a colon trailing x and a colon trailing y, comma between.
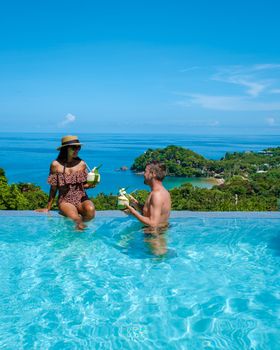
x: 70, y: 186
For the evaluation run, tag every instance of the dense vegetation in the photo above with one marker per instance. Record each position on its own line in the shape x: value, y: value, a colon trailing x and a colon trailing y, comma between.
x: 183, y: 162
x: 252, y: 183
x: 235, y: 194
x: 20, y: 196
x: 179, y: 161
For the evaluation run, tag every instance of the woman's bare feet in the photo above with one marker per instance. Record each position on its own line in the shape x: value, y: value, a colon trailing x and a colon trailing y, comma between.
x: 80, y: 226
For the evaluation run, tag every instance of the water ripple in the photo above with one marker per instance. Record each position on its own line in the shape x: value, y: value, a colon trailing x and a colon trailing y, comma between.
x: 107, y: 288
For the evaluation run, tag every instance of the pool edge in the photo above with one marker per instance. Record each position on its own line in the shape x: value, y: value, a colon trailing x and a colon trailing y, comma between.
x: 174, y: 214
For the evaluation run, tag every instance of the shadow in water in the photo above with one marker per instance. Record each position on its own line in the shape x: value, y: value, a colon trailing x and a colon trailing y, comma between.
x: 274, y: 244
x: 140, y: 242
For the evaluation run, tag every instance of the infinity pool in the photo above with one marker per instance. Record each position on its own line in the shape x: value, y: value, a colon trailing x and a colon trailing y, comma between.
x: 207, y: 283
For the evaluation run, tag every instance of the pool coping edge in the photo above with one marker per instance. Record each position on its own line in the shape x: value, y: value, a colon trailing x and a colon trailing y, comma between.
x: 174, y: 214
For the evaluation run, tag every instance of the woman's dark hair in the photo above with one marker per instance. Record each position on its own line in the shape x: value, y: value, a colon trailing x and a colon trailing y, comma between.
x: 62, y: 156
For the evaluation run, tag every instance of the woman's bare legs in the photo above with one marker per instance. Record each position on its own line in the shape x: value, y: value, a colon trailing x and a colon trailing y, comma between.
x: 71, y: 212
x: 87, y: 210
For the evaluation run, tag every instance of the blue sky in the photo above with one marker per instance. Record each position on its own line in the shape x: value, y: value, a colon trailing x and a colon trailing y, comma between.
x: 140, y: 66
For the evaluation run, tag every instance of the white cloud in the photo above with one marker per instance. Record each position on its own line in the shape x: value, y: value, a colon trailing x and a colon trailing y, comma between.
x: 265, y: 66
x: 254, y: 87
x: 271, y: 121
x: 253, y: 98
x: 230, y: 103
x: 214, y: 123
x: 189, y: 69
x: 69, y: 118
x: 242, y: 69
x: 275, y: 91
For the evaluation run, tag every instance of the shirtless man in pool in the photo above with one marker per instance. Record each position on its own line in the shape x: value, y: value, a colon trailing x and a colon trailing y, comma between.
x: 156, y: 210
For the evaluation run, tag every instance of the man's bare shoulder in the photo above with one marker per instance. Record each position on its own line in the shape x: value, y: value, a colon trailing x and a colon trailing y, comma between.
x: 159, y: 195
x: 166, y: 191
x: 155, y: 195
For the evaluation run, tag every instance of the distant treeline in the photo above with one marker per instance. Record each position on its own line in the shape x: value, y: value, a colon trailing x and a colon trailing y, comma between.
x: 252, y: 183
x: 186, y: 163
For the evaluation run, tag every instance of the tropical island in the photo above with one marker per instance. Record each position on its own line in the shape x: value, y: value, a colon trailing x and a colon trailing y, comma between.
x: 251, y: 182
x: 183, y: 162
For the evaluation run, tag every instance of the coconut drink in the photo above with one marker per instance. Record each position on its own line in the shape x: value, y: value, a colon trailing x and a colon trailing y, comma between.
x: 93, y: 177
x: 123, y: 201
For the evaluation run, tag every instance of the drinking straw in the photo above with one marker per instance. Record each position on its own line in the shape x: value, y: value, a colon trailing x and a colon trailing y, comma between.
x: 99, y: 166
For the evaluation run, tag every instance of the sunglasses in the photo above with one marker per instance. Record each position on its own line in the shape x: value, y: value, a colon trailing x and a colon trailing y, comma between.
x: 75, y: 147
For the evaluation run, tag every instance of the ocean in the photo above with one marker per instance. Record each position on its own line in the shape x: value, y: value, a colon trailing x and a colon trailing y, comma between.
x: 27, y: 157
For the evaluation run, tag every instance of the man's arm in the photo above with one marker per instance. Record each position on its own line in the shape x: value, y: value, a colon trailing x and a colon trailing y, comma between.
x: 135, y: 204
x: 154, y: 211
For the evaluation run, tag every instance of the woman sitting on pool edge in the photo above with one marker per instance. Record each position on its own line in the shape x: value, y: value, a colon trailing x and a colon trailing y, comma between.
x: 68, y: 175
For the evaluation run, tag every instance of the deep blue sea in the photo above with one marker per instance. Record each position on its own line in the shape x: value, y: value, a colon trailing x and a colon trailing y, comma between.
x: 26, y: 157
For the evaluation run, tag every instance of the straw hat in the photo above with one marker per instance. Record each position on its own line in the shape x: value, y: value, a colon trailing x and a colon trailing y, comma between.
x: 69, y: 140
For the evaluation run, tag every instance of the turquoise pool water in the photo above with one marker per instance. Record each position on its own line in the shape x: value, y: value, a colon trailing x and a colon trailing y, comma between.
x: 208, y: 283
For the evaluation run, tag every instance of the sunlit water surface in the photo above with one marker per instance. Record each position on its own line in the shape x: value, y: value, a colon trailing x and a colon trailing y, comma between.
x: 204, y: 284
